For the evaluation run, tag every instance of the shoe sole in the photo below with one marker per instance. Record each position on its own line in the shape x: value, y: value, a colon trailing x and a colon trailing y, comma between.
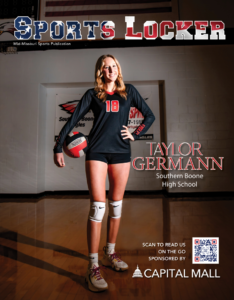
x: 113, y: 266
x: 93, y: 288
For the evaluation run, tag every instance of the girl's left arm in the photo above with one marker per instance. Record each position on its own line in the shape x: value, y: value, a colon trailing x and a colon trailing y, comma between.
x: 141, y: 105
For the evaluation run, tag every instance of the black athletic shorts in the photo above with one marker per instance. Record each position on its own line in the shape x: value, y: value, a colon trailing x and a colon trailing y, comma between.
x: 109, y: 158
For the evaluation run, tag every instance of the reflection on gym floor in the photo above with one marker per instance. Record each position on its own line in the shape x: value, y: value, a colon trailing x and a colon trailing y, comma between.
x: 43, y: 251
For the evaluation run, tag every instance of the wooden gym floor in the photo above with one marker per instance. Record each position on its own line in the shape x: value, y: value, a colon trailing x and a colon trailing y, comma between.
x: 43, y: 251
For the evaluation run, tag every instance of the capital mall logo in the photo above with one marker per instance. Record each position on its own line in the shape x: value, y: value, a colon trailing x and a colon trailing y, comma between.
x: 137, y: 273
x: 174, y: 273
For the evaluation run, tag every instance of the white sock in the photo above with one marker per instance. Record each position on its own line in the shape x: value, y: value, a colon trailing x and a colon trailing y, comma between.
x: 110, y: 248
x: 93, y: 259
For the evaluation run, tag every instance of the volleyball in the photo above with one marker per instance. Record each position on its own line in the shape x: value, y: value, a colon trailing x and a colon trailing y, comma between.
x: 75, y: 144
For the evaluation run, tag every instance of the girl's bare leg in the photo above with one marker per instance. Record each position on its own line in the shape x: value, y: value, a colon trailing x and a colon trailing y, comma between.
x: 118, y: 177
x: 96, y: 178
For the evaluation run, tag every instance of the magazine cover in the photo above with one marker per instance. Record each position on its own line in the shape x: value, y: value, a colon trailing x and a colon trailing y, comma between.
x: 116, y: 157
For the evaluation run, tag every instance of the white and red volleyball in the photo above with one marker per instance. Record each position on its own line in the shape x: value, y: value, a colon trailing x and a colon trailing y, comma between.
x: 75, y: 144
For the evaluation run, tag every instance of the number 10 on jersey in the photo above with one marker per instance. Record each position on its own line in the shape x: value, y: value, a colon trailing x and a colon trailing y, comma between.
x: 112, y: 105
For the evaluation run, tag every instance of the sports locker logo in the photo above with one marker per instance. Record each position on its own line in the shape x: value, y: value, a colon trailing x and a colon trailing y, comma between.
x: 151, y: 29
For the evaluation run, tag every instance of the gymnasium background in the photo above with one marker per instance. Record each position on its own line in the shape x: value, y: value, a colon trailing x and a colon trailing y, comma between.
x: 198, y: 104
x: 43, y: 251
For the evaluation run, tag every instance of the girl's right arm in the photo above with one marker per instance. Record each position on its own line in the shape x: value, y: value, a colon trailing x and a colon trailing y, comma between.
x: 59, y: 160
x: 81, y: 109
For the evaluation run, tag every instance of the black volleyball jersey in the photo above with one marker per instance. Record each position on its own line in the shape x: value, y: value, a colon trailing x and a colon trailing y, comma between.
x: 109, y: 118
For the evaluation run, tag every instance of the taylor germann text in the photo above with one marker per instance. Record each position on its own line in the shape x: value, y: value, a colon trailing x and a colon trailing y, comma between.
x: 188, y: 158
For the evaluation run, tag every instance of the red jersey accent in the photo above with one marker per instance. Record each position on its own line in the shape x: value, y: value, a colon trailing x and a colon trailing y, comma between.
x: 110, y: 93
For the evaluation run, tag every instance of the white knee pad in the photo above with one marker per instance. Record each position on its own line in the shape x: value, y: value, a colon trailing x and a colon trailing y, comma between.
x: 115, y: 209
x: 97, y: 211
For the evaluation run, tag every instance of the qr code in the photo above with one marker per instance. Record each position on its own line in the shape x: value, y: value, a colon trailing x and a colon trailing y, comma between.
x: 205, y: 250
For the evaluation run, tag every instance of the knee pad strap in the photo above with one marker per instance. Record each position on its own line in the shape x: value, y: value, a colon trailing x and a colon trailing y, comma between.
x: 115, y: 209
x: 97, y: 211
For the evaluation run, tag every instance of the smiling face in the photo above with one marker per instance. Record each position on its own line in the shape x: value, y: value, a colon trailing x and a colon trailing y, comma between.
x: 110, y: 70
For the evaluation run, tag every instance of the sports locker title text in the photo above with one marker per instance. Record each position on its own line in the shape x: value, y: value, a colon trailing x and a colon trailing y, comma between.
x: 151, y: 30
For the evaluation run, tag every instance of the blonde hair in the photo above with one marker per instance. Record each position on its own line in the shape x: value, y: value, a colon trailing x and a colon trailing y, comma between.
x: 100, y: 81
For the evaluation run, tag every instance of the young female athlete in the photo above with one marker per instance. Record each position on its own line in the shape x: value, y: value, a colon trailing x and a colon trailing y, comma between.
x: 108, y: 152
